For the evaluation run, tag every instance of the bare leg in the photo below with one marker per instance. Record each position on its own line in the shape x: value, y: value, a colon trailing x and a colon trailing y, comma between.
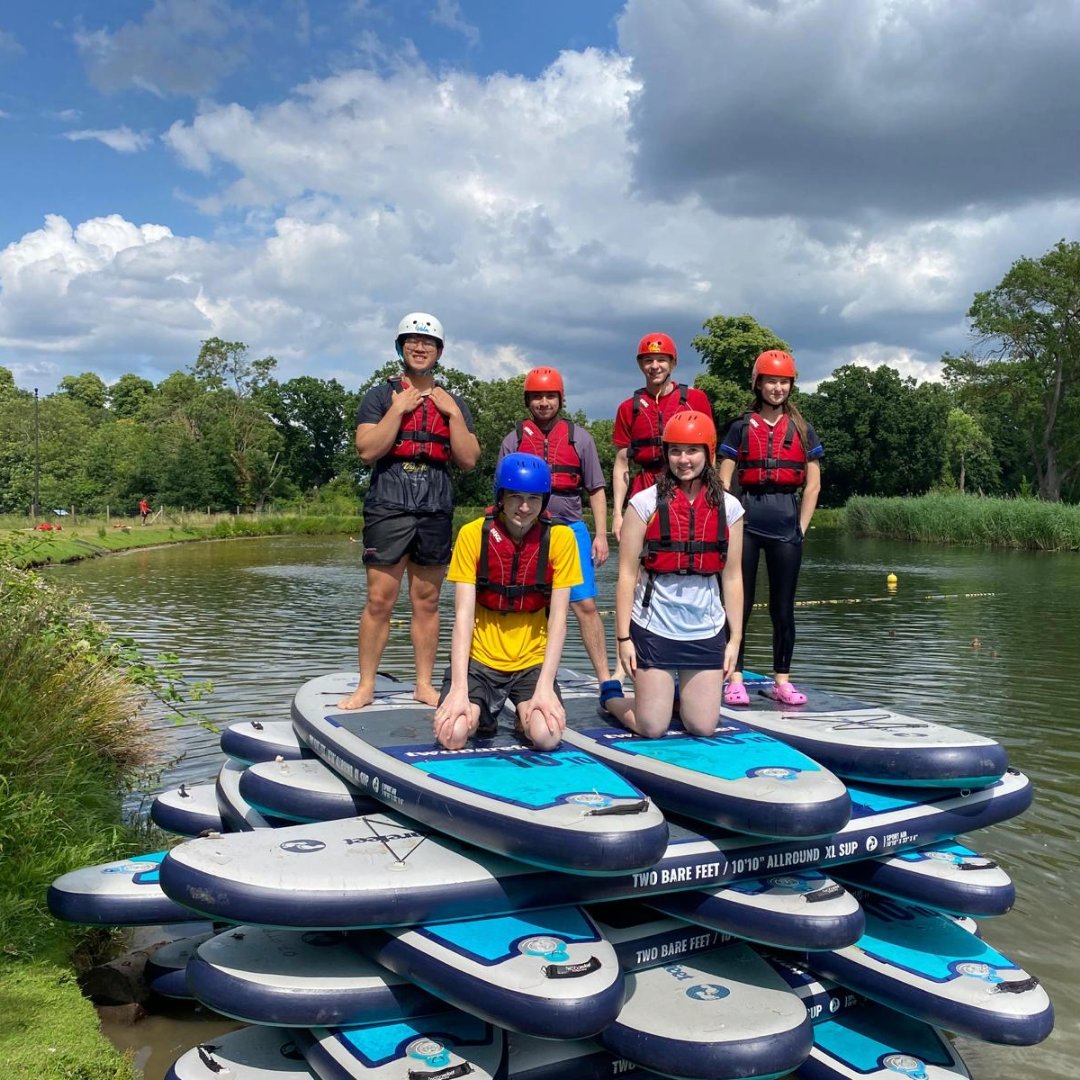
x: 536, y: 729
x: 699, y: 697
x: 383, y: 585
x: 424, y: 585
x: 455, y: 732
x: 648, y: 712
x: 592, y: 636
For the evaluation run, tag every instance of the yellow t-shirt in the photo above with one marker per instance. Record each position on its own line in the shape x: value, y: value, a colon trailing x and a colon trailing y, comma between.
x: 514, y: 640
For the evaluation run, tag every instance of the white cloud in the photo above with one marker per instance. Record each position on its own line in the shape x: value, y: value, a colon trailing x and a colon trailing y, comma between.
x: 448, y: 13
x: 123, y: 140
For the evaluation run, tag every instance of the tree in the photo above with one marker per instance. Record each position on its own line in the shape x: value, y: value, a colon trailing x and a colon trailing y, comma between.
x: 1029, y: 329
x: 732, y: 344
x: 967, y: 451
x: 86, y: 388
x: 128, y: 395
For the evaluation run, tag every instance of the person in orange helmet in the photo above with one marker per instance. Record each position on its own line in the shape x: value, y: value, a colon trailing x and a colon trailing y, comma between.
x: 774, y: 453
x: 640, y: 419
x: 571, y: 454
x: 678, y: 602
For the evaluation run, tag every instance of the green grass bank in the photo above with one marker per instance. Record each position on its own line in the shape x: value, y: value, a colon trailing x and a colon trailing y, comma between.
x: 967, y: 519
x: 71, y: 746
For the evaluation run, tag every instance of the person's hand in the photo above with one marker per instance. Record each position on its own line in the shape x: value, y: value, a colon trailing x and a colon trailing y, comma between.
x: 444, y: 401
x: 545, y: 710
x: 406, y: 399
x: 453, y: 718
x: 731, y: 659
x: 627, y: 657
x: 616, y: 525
x: 599, y: 550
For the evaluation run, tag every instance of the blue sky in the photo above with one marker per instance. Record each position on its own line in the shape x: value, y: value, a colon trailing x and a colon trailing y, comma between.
x: 552, y: 180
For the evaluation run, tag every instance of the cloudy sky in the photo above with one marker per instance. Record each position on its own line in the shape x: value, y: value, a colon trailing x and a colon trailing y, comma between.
x: 551, y: 179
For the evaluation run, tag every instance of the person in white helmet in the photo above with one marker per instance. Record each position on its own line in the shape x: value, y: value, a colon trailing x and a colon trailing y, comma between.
x: 410, y: 431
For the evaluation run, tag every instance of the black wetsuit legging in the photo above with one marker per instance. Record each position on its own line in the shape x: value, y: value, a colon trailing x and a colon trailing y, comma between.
x: 782, y: 561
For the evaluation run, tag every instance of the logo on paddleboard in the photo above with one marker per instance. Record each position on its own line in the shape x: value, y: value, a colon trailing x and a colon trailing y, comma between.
x: 774, y: 772
x: 906, y: 1065
x: 550, y: 948
x: 430, y: 1051
x: 871, y: 843
x: 590, y: 799
x: 708, y: 992
x: 375, y: 784
x: 302, y: 847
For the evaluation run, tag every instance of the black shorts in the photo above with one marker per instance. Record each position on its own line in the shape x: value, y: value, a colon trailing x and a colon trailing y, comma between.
x: 654, y: 651
x: 490, y: 689
x: 426, y: 539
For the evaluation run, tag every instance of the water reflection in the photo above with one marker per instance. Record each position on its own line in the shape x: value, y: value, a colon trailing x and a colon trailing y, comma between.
x: 983, y: 640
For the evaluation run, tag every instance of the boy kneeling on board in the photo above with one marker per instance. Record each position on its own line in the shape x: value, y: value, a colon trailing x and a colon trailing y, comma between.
x: 513, y: 570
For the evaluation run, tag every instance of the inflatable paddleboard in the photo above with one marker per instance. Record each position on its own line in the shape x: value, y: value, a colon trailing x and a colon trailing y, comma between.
x: 871, y: 743
x: 871, y: 1042
x: 721, y: 1013
x: 923, y: 963
x: 449, y: 1045
x: 295, y: 978
x: 187, y: 810
x: 560, y: 809
x: 252, y: 741
x: 738, y: 778
x: 166, y: 966
x: 564, y: 1059
x: 121, y: 893
x: 548, y: 973
x: 237, y: 814
x: 302, y: 791
x: 252, y: 1053
x: 805, y: 910
x: 382, y: 870
x: 948, y: 877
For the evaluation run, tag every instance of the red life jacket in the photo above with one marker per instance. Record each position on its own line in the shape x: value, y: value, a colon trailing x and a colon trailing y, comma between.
x: 771, y: 458
x: 557, y: 449
x: 424, y: 433
x: 684, y: 537
x: 647, y: 419
x: 514, y: 576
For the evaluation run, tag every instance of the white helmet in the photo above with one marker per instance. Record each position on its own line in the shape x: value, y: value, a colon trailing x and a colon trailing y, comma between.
x: 419, y: 322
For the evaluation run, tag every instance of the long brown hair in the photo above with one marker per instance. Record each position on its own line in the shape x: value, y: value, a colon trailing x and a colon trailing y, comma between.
x: 710, y: 481
x: 789, y: 408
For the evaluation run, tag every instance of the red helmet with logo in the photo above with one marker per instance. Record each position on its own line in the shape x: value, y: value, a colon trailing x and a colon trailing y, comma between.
x: 544, y: 380
x: 657, y: 344
x: 773, y: 362
x: 691, y: 428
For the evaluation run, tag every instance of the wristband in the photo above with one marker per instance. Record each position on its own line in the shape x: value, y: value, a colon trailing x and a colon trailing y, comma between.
x: 620, y: 639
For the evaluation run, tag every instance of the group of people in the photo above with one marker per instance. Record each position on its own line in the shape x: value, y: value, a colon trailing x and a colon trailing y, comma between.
x: 688, y: 549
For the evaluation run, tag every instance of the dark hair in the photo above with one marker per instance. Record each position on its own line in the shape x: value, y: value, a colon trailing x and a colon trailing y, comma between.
x: 789, y: 408
x: 710, y: 481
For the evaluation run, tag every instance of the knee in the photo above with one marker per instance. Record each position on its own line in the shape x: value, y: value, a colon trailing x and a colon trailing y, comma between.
x: 379, y: 606
x: 586, y: 609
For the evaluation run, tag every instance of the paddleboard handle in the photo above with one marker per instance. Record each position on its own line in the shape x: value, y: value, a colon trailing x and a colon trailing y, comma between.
x: 638, y: 807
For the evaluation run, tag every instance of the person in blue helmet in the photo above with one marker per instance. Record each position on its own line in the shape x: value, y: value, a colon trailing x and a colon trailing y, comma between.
x: 512, y: 570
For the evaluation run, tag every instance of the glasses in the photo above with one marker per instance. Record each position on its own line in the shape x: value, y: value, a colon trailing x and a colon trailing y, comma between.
x: 414, y: 340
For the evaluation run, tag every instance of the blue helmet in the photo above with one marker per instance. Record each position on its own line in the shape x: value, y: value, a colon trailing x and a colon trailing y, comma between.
x: 523, y: 472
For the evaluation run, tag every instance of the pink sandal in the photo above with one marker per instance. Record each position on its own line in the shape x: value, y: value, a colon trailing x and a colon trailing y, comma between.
x: 787, y: 694
x: 735, y: 694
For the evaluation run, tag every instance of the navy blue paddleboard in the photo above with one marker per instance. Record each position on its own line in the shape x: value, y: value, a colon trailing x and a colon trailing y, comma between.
x: 187, y: 810
x: 560, y: 809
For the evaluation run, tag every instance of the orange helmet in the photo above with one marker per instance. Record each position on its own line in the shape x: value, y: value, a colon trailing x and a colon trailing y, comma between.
x: 544, y: 379
x: 652, y: 344
x: 692, y: 429
x: 773, y: 362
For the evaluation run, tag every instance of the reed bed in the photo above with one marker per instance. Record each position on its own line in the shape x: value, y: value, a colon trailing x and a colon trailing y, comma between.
x: 968, y: 519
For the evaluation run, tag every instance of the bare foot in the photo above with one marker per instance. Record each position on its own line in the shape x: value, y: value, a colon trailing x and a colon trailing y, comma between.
x: 426, y: 694
x: 361, y: 696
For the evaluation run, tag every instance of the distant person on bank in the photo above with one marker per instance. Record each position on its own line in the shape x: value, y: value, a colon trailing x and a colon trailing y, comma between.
x: 144, y: 510
x: 572, y: 456
x: 410, y: 430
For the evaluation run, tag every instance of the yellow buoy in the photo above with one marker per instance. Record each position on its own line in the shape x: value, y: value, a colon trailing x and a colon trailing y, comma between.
x: 891, y: 581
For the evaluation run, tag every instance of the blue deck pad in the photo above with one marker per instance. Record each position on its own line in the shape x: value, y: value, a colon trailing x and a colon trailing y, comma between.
x: 521, y: 776
x: 865, y: 1036
x: 928, y: 943
x: 807, y: 881
x: 492, y: 940
x: 423, y: 1042
x: 732, y: 752
x: 953, y: 853
x: 144, y: 869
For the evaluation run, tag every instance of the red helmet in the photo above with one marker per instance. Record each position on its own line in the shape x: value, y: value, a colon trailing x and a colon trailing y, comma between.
x: 652, y: 344
x: 773, y: 362
x: 544, y: 379
x: 692, y: 429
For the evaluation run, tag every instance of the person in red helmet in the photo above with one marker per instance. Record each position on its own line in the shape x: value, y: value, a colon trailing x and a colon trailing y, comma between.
x: 640, y: 419
x: 774, y: 453
x: 409, y: 431
x: 678, y: 602
x: 571, y: 454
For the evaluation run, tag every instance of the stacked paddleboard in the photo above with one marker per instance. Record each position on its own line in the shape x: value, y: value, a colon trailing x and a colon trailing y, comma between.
x: 781, y: 896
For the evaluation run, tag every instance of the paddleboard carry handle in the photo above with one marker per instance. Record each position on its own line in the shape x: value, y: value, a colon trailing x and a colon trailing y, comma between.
x: 441, y: 1074
x: 637, y: 807
x: 571, y: 971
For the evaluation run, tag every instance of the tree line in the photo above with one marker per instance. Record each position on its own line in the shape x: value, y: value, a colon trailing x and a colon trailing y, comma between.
x: 225, y: 433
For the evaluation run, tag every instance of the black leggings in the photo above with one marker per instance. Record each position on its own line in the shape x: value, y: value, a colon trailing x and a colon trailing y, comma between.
x: 782, y: 561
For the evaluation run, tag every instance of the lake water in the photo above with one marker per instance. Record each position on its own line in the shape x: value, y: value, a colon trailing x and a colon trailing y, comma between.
x: 984, y: 640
